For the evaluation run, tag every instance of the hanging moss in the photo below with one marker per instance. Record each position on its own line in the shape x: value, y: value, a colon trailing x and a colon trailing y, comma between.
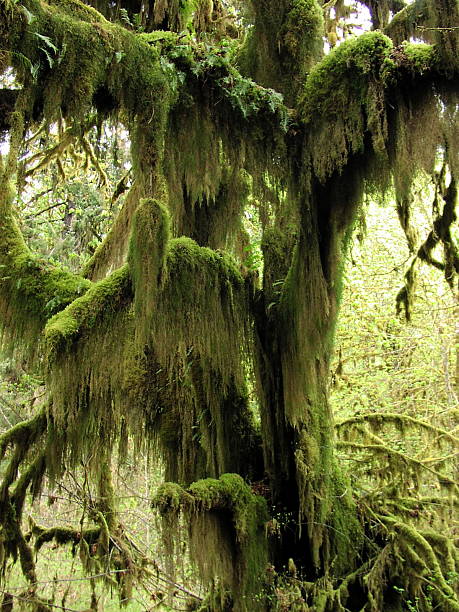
x: 277, y: 247
x: 85, y: 344
x: 197, y: 330
x: 147, y: 256
x: 412, y: 149
x: 103, y: 549
x: 176, y: 13
x: 347, y: 92
x: 13, y: 542
x: 203, y: 305
x: 85, y: 54
x: 195, y: 160
x: 190, y: 373
x: 216, y: 222
x: 228, y: 540
x: 161, y: 347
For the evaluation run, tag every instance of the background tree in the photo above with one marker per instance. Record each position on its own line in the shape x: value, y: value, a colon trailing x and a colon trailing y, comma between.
x: 158, y: 336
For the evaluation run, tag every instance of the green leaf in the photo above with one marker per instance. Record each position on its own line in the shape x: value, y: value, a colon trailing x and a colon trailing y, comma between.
x: 47, y: 41
x: 30, y: 17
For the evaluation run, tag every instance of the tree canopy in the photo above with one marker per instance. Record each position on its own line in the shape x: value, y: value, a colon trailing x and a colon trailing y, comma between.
x: 167, y: 333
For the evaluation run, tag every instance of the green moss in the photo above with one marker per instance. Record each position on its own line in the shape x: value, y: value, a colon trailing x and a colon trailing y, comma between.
x: 425, y: 559
x: 346, y: 532
x: 86, y: 345
x: 214, y: 221
x: 147, y: 256
x: 347, y: 92
x: 347, y: 66
x: 163, y: 37
x: 422, y: 57
x: 228, y: 540
x: 171, y: 497
x: 31, y: 290
x: 202, y: 304
x: 80, y: 10
x: 302, y: 33
x: 88, y: 62
x: 63, y: 535
x: 432, y: 21
x: 104, y: 297
x: 284, y: 44
x: 197, y: 330
x: 277, y: 247
x: 172, y: 362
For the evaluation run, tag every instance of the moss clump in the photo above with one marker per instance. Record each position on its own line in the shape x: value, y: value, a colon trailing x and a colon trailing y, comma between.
x: 422, y: 58
x: 347, y: 91
x: 228, y: 540
x: 171, y: 497
x: 351, y: 63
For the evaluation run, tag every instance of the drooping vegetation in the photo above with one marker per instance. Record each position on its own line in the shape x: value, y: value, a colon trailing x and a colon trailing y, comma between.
x: 171, y: 341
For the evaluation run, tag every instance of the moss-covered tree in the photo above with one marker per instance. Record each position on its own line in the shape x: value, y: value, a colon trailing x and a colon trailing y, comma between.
x: 165, y: 330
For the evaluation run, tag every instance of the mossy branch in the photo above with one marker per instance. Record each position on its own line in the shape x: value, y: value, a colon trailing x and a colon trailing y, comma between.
x: 31, y: 476
x: 87, y: 147
x: 382, y: 449
x: 380, y: 418
x: 46, y: 157
x: 24, y: 434
x: 30, y: 289
x: 83, y: 313
x: 406, y: 22
x: 445, y: 593
x: 63, y: 535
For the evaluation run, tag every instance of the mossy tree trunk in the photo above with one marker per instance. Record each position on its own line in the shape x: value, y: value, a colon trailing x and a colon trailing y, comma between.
x: 295, y: 320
